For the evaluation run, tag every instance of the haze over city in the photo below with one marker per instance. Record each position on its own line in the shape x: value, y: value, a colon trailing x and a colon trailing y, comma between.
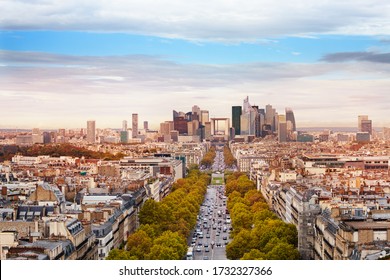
x: 64, y: 63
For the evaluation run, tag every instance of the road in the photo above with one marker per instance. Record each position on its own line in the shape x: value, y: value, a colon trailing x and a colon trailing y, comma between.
x: 212, y: 231
x: 211, y: 234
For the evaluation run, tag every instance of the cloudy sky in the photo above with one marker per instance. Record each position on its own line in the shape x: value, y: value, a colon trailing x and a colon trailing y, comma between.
x: 65, y: 62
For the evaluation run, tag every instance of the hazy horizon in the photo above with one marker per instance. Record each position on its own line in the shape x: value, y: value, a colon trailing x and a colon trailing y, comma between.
x: 63, y: 63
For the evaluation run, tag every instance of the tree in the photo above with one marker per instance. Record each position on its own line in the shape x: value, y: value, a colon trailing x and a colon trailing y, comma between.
x: 150, y: 212
x: 254, y: 196
x: 263, y: 215
x: 239, y: 245
x: 117, y: 254
x: 169, y: 246
x: 139, y: 244
x: 259, y: 206
x: 283, y: 251
x: 243, y: 219
x: 254, y: 254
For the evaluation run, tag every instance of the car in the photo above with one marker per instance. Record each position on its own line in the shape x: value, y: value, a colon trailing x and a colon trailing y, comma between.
x: 205, y: 257
x: 224, y: 238
x: 208, y: 236
x: 217, y: 234
x: 198, y: 249
x: 200, y: 243
x: 207, y: 249
x: 219, y: 244
x: 206, y: 244
x: 226, y: 242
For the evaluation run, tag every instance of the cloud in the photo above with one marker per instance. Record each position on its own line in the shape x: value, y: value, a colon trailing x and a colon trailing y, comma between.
x: 65, y: 90
x: 357, y: 56
x: 202, y: 20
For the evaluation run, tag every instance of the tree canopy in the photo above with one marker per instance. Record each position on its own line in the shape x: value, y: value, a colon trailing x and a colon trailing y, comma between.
x: 257, y: 232
x: 165, y: 225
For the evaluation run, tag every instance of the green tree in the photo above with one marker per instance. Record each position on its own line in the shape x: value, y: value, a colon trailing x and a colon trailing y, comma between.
x: 117, y: 254
x: 239, y: 245
x: 139, y: 244
x: 254, y: 254
x: 169, y: 246
x: 263, y: 215
x: 243, y: 219
x: 259, y: 206
x: 283, y: 251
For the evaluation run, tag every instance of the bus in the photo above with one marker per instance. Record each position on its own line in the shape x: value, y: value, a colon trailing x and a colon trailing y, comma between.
x: 190, y: 253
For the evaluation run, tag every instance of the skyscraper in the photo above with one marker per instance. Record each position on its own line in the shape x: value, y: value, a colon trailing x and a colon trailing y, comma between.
x: 248, y: 119
x: 180, y: 122
x: 91, y: 132
x: 360, y: 119
x: 196, y: 111
x: 207, y: 130
x: 366, y: 126
x: 204, y: 116
x: 124, y: 125
x: 270, y: 116
x: 236, y: 115
x: 290, y: 117
x: 282, y: 128
x: 134, y: 125
x: 146, y: 125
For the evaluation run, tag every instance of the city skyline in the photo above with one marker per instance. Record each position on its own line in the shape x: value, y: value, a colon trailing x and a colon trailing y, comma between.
x: 328, y: 61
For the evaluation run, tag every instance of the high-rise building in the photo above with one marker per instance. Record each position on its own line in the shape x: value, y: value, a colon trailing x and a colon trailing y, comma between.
x: 124, y: 125
x: 257, y: 121
x: 290, y: 117
x: 164, y: 128
x: 363, y: 137
x: 236, y: 119
x: 204, y: 116
x: 282, y: 132
x: 196, y: 112
x: 192, y: 127
x: 46, y: 137
x: 91, y: 131
x: 269, y: 115
x: 174, y: 135
x: 180, y: 120
x: 146, y: 125
x: 282, y: 128
x: 207, y: 130
x: 124, y: 136
x: 366, y: 126
x: 37, y: 137
x: 134, y: 126
x: 248, y: 119
x: 360, y: 119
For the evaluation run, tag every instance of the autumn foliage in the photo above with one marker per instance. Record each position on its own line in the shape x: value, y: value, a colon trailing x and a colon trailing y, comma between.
x: 258, y: 234
x: 166, y: 225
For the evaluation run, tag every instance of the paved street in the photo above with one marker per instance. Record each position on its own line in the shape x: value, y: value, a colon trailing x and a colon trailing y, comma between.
x: 211, y: 234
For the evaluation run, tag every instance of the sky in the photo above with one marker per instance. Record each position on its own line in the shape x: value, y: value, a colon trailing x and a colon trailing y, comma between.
x: 65, y: 62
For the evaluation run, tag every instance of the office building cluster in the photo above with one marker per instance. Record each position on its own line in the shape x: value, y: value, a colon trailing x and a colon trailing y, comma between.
x: 251, y: 121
